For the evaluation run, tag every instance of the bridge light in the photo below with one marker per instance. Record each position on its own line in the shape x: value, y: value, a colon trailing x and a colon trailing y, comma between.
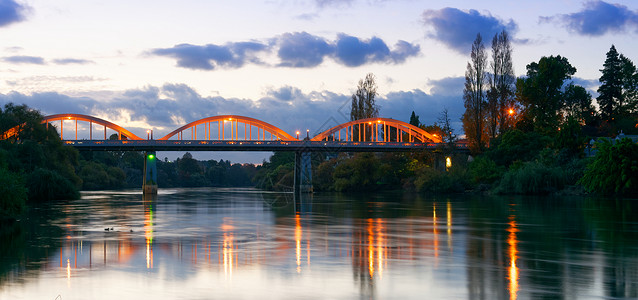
x: 511, y: 111
x: 297, y: 134
x: 151, y: 156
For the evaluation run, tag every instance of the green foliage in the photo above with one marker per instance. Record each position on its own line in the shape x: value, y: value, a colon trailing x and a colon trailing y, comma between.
x: 517, y: 145
x: 485, y: 170
x: 541, y: 92
x: 47, y: 185
x: 532, y: 178
x: 614, y: 170
x: 97, y: 176
x: 13, y: 194
x: 357, y: 174
x: 37, y: 152
x: 277, y: 174
x: 431, y: 180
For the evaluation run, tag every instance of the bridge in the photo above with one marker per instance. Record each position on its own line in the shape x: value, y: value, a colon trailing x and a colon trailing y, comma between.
x: 240, y: 133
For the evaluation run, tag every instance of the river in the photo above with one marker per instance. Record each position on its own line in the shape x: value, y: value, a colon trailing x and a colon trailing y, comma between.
x: 215, y: 243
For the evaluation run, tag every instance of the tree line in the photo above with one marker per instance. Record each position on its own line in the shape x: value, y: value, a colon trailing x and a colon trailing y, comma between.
x: 529, y: 134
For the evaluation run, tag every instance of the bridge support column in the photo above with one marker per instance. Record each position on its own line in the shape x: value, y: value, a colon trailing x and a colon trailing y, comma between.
x: 149, y: 180
x: 303, y: 173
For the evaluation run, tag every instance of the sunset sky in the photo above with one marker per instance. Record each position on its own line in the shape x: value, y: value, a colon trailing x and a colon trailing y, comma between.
x: 295, y: 64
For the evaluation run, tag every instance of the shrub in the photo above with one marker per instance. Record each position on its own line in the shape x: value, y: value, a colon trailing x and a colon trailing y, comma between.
x: 531, y: 178
x: 13, y: 194
x: 46, y: 185
x: 614, y: 169
x: 485, y: 170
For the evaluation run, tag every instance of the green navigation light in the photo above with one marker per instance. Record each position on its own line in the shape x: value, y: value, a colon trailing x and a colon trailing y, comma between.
x: 151, y: 156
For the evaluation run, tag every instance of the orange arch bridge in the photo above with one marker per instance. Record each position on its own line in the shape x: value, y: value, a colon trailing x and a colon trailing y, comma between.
x: 376, y: 130
x: 239, y: 133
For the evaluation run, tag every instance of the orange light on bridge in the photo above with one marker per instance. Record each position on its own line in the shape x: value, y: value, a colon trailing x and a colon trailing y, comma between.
x: 511, y: 111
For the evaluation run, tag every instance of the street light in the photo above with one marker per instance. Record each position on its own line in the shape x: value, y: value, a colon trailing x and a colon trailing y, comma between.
x: 297, y: 134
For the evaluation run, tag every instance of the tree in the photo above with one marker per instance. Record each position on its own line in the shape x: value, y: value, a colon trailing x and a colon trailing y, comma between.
x: 610, y: 90
x: 363, y: 103
x: 541, y: 93
x: 414, y: 120
x: 577, y: 103
x: 499, y: 96
x: 474, y: 96
x: 448, y: 135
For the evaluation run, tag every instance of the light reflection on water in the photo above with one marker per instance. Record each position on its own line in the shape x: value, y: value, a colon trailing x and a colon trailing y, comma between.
x: 237, y: 244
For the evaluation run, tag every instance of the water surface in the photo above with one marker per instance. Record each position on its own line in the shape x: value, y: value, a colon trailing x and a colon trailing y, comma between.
x: 247, y: 244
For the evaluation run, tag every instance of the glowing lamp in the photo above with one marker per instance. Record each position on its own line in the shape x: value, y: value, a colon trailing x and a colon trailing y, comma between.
x: 151, y: 156
x: 511, y: 111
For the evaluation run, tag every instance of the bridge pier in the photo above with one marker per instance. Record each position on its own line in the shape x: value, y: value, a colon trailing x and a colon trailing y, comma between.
x: 303, y: 173
x: 149, y: 180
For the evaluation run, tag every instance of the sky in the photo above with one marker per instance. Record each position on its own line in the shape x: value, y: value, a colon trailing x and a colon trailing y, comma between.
x: 294, y: 64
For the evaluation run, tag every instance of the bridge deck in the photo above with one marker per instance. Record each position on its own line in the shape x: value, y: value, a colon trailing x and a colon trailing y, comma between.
x: 203, y: 145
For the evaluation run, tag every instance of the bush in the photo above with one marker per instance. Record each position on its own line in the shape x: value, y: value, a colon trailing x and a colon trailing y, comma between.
x: 13, y: 194
x: 531, y: 178
x: 614, y: 170
x: 46, y: 185
x: 434, y: 181
x: 485, y: 170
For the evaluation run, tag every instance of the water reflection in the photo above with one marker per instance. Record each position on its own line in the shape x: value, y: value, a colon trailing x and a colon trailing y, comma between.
x: 234, y: 244
x: 512, y: 252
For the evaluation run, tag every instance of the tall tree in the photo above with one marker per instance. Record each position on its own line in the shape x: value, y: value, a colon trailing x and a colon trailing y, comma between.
x: 630, y: 87
x: 610, y: 90
x: 541, y: 93
x: 414, y: 120
x: 363, y: 104
x: 445, y: 123
x: 474, y: 96
x: 363, y: 101
x: 500, y: 95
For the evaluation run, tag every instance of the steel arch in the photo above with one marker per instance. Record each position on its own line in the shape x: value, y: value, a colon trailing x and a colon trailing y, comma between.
x: 85, y: 118
x: 401, y: 126
x: 273, y: 130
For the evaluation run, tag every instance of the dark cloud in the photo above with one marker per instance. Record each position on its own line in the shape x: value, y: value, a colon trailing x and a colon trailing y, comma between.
x: 302, y: 50
x: 597, y: 18
x: 296, y: 50
x: 209, y: 57
x: 22, y: 59
x: 72, y: 61
x: 457, y: 29
x: 12, y: 12
x: 285, y: 93
x: 352, y: 51
x: 448, y: 86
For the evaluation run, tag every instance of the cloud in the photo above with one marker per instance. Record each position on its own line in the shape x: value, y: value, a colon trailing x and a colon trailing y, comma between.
x: 210, y: 57
x: 302, y: 50
x: 295, y: 50
x: 337, y: 3
x: 457, y: 29
x: 12, y: 12
x: 23, y: 59
x: 71, y: 61
x: 353, y: 52
x: 597, y: 18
